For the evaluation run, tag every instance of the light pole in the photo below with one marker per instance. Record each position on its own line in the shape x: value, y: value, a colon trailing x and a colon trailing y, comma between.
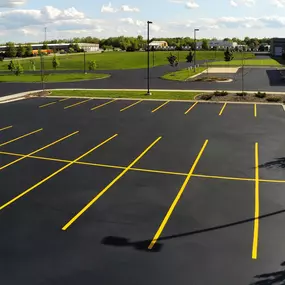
x: 195, y: 47
x: 148, y: 50
x: 84, y: 50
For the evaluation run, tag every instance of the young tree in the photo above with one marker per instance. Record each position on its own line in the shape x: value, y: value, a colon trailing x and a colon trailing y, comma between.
x: 45, y: 46
x: 33, y: 65
x: 205, y: 45
x: 12, y: 66
x: 29, y: 51
x: 189, y: 57
x: 21, y: 51
x: 18, y: 69
x: 55, y: 62
x: 172, y: 59
x: 92, y: 65
x: 228, y: 55
x: 11, y: 50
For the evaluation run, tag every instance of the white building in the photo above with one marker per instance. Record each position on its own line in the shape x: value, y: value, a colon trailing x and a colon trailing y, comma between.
x: 219, y: 44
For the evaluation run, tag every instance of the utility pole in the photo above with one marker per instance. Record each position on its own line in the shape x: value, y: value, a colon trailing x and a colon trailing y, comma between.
x: 148, y: 50
x: 195, y: 47
x: 84, y: 60
x: 242, y: 73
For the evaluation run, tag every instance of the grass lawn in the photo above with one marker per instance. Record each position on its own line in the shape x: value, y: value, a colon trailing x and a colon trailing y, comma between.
x: 55, y: 77
x: 168, y: 95
x: 118, y: 60
x: 183, y: 74
x: 256, y: 62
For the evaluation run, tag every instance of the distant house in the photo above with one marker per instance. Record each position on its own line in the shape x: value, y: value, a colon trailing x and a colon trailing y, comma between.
x: 158, y: 44
x: 219, y: 44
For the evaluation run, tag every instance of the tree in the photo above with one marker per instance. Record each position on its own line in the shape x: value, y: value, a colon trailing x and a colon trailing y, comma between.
x: 11, y: 50
x: 45, y: 46
x: 33, y: 65
x: 29, y: 51
x: 228, y: 55
x: 21, y: 51
x: 172, y: 59
x: 18, y: 69
x: 189, y: 57
x: 55, y: 62
x: 92, y: 65
x: 12, y: 66
x: 205, y: 45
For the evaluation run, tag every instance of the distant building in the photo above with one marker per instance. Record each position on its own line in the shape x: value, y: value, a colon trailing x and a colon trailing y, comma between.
x: 158, y: 44
x: 63, y: 46
x: 219, y: 44
x: 277, y: 46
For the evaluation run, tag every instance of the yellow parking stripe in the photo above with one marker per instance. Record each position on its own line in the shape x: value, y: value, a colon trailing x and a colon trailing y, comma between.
x: 64, y: 99
x: 256, y: 206
x: 21, y: 137
x: 190, y: 108
x: 159, y: 107
x: 222, y: 110
x: 6, y: 128
x: 126, y: 108
x: 255, y: 110
x: 48, y: 104
x: 102, y: 105
x: 177, y: 198
x: 36, y: 151
x: 78, y: 103
x: 55, y: 173
x: 84, y: 209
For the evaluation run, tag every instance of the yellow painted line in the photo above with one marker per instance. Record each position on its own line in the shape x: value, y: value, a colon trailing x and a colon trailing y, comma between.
x: 48, y: 104
x: 159, y: 171
x: 223, y: 177
x: 271, y: 181
x: 64, y: 99
x: 102, y: 105
x: 177, y: 198
x: 256, y: 206
x: 78, y: 103
x: 126, y: 108
x: 255, y: 110
x: 55, y: 173
x: 222, y: 110
x: 87, y: 206
x: 21, y: 137
x: 159, y: 107
x: 190, y: 108
x: 36, y: 151
x: 6, y: 128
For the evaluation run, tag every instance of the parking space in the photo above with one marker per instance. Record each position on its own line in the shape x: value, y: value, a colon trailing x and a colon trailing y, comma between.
x: 134, y: 184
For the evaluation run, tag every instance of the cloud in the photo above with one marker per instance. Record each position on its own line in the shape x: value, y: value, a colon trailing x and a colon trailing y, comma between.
x: 108, y: 8
x: 248, y: 3
x: 191, y: 5
x: 278, y: 3
x: 233, y: 3
x: 176, y: 1
x: 126, y: 8
x: 11, y: 3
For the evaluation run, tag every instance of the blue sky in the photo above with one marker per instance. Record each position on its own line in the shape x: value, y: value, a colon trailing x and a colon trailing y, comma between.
x: 23, y: 20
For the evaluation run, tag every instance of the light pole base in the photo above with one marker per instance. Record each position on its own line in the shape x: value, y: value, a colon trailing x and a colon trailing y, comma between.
x: 148, y: 93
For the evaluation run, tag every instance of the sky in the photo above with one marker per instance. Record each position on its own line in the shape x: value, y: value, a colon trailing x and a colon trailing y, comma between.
x: 24, y: 20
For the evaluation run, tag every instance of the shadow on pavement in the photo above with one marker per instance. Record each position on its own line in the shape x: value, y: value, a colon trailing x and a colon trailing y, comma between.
x: 273, y: 278
x: 277, y: 163
x: 275, y: 77
x: 143, y: 245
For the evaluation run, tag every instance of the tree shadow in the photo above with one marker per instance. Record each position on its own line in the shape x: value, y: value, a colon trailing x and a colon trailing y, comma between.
x: 277, y: 163
x: 143, y: 244
x: 275, y: 77
x: 273, y: 278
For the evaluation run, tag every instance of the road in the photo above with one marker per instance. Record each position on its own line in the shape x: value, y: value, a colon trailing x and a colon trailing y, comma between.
x: 256, y: 78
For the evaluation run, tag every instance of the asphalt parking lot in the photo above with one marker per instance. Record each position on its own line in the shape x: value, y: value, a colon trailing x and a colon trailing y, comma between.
x: 141, y: 192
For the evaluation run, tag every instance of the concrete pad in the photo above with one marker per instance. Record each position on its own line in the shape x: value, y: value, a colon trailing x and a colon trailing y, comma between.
x: 223, y: 69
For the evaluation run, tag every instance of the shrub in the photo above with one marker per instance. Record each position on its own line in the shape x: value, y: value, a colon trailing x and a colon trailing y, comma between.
x: 92, y: 65
x: 19, y: 69
x: 260, y: 94
x: 241, y: 94
x: 221, y: 93
x: 273, y: 99
x: 206, y: 97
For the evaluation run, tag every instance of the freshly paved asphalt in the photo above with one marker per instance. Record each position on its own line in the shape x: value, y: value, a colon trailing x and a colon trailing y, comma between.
x: 208, y: 239
x: 255, y: 78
